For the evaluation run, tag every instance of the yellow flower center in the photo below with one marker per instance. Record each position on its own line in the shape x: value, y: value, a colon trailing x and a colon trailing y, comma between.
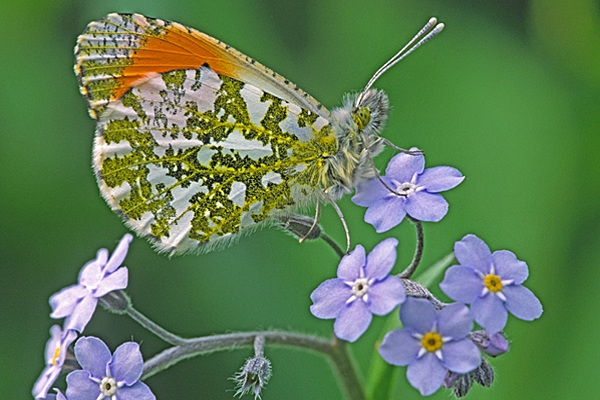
x: 492, y: 283
x: 432, y: 341
x: 56, y: 354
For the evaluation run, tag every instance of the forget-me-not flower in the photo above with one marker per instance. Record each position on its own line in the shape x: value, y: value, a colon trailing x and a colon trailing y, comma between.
x: 490, y: 283
x: 98, y: 277
x: 411, y: 190
x: 363, y: 287
x: 431, y: 343
x: 56, y: 353
x: 106, y: 376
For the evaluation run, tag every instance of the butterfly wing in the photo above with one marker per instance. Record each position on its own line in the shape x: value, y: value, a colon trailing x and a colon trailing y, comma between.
x: 120, y: 50
x: 195, y: 141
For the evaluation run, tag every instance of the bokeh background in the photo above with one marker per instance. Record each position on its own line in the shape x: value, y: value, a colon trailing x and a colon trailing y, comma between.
x: 509, y: 94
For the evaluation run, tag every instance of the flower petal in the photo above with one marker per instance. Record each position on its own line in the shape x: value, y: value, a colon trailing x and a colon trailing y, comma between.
x: 127, y: 363
x: 81, y: 387
x: 489, y: 312
x: 64, y: 302
x: 381, y: 259
x: 353, y: 321
x: 93, y: 355
x: 426, y: 374
x: 59, y: 395
x: 495, y: 345
x: 417, y: 315
x: 426, y: 206
x: 115, y: 281
x: 351, y: 263
x: 438, y: 179
x: 119, y: 254
x: 403, y: 167
x: 385, y: 295
x: 386, y: 213
x: 460, y: 356
x: 45, y: 381
x: 522, y: 303
x: 91, y: 273
x: 139, y: 391
x: 370, y: 191
x: 56, y: 334
x: 399, y: 347
x: 455, y: 320
x: 472, y: 252
x: 329, y: 298
x: 462, y: 284
x: 82, y: 313
x: 508, y: 267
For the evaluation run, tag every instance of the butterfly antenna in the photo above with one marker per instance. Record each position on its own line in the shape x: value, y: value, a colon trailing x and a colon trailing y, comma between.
x: 430, y: 30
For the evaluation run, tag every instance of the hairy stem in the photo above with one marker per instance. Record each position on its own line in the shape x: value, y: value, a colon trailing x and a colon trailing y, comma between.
x: 336, y: 352
x: 333, y: 244
x: 407, y: 273
x: 159, y: 331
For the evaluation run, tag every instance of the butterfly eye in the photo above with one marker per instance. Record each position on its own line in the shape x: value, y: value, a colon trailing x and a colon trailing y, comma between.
x: 361, y: 116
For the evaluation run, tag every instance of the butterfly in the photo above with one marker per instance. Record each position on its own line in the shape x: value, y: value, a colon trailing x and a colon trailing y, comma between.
x: 196, y: 142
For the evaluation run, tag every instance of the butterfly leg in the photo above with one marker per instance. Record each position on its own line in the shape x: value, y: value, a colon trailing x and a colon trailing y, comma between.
x: 393, y: 146
x: 315, y: 222
x: 339, y: 213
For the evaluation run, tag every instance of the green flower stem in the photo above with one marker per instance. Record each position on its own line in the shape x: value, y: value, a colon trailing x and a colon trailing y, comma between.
x: 333, y: 244
x: 407, y: 273
x: 159, y: 331
x: 335, y: 350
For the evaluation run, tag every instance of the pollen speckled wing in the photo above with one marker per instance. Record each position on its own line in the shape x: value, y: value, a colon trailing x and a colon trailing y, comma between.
x: 196, y: 142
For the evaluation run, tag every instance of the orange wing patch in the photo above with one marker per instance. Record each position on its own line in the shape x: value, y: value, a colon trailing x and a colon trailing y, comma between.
x: 120, y: 51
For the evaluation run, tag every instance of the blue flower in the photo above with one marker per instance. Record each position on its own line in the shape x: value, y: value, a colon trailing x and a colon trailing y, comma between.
x: 363, y: 287
x: 431, y: 343
x: 102, y: 376
x: 410, y: 190
x: 56, y: 352
x: 490, y: 283
x: 98, y: 277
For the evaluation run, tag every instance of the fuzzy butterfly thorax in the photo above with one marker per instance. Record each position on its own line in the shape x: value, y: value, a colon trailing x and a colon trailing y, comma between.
x: 359, y: 141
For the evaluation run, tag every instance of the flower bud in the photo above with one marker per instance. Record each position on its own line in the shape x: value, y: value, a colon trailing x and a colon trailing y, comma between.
x: 117, y: 301
x: 300, y: 226
x: 255, y: 373
x: 492, y: 345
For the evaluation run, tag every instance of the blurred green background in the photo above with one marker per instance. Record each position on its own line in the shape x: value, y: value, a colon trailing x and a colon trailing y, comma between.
x: 509, y: 94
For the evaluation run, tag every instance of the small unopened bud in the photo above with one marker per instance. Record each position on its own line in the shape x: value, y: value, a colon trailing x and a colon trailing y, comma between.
x: 255, y: 373
x: 484, y: 374
x: 116, y: 301
x: 300, y: 226
x: 459, y: 383
x: 462, y: 383
x: 492, y: 345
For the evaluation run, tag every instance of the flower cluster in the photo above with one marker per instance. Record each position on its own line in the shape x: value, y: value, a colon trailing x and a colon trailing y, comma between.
x: 101, y: 375
x: 436, y: 341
